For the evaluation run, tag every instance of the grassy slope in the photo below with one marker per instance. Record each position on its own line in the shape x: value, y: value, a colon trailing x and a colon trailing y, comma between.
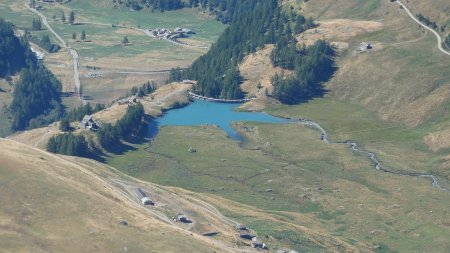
x: 436, y: 10
x: 49, y: 204
x: 311, y: 187
x: 405, y: 81
x: 381, y: 99
x: 5, y: 101
x: 312, y: 184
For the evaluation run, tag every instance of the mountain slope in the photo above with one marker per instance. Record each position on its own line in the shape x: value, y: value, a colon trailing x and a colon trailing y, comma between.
x: 53, y: 204
x: 403, y: 79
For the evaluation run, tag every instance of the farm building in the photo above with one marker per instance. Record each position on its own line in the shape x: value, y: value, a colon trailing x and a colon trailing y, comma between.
x: 88, y: 123
x: 143, y: 197
x: 168, y: 34
x: 257, y: 244
x: 364, y: 47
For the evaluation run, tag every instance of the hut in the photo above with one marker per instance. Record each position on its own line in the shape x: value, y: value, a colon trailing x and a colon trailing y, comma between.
x: 364, y: 47
x: 246, y: 235
x: 143, y: 197
x: 241, y: 227
x: 257, y: 244
x: 88, y: 123
x: 183, y: 218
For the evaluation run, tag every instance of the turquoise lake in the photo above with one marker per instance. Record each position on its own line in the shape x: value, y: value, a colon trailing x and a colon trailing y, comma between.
x: 202, y: 112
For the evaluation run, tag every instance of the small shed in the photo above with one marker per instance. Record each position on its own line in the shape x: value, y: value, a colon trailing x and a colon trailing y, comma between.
x: 88, y: 123
x: 143, y: 197
x: 246, y: 235
x: 188, y: 81
x: 257, y: 244
x: 365, y: 46
x: 241, y: 227
x: 183, y: 218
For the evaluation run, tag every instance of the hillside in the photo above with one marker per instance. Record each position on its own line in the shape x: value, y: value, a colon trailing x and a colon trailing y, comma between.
x: 436, y: 10
x: 385, y: 80
x: 61, y: 204
x: 388, y: 99
x: 399, y: 89
x: 373, y: 177
x: 164, y: 98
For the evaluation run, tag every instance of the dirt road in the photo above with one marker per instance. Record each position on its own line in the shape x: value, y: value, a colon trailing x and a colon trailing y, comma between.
x: 71, y: 51
x: 426, y: 27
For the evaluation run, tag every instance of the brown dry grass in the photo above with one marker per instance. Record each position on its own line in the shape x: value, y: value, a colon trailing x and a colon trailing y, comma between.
x: 166, y: 97
x: 257, y: 68
x: 52, y: 203
x: 438, y: 140
x: 402, y: 80
x: 60, y: 64
x: 124, y: 31
x: 338, y: 31
x: 112, y: 114
x: 146, y: 60
x: 37, y: 137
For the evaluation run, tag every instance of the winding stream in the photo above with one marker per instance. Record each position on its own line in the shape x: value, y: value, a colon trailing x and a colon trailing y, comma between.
x: 372, y: 156
x: 220, y: 114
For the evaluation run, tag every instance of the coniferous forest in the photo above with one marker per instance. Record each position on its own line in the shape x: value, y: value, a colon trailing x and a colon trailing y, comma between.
x: 130, y: 124
x: 253, y: 24
x: 312, y: 66
x: 68, y: 144
x: 36, y: 99
x: 14, y: 52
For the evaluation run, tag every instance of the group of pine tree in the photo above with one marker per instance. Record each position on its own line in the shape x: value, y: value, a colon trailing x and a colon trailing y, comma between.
x: 129, y: 125
x: 36, y: 97
x: 447, y: 41
x: 68, y: 144
x: 108, y: 135
x: 254, y: 24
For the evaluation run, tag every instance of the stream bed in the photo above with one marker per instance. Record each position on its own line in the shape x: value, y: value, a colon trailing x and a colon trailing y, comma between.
x: 203, y: 112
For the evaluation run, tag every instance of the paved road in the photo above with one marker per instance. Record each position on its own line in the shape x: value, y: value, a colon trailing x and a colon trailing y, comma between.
x: 426, y: 27
x: 73, y: 53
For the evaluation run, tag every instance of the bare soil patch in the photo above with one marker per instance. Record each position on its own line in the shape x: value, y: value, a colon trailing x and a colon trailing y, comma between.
x: 338, y: 31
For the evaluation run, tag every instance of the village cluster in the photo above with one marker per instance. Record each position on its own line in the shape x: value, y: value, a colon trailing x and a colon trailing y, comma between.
x: 164, y: 33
